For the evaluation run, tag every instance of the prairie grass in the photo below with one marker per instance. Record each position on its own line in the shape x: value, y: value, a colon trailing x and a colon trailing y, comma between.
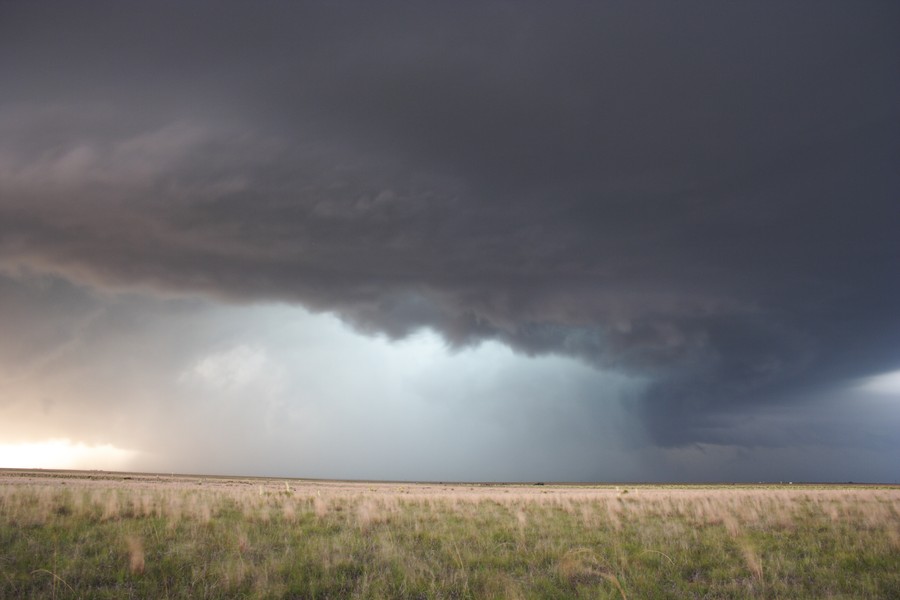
x: 80, y: 535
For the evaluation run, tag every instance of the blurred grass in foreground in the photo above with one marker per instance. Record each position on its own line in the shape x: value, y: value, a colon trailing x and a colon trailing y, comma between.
x: 112, y: 536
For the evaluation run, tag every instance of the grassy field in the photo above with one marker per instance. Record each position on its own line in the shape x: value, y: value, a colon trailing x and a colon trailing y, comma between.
x: 103, y: 535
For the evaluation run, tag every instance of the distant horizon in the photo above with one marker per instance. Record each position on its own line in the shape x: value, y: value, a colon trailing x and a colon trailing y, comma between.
x: 176, y: 474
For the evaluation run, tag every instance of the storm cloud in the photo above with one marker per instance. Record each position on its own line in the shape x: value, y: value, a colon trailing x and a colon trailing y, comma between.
x: 697, y: 195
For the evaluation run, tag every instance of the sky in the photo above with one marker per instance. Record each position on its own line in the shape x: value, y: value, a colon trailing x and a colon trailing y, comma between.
x: 472, y: 241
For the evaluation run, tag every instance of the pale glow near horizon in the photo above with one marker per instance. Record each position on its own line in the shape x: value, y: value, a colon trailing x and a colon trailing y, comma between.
x: 887, y: 383
x: 63, y: 454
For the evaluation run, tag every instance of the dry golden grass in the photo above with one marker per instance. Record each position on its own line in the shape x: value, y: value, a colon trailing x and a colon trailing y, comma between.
x: 147, y: 536
x: 135, y: 554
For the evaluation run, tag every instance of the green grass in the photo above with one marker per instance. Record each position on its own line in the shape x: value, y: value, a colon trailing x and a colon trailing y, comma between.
x: 77, y: 537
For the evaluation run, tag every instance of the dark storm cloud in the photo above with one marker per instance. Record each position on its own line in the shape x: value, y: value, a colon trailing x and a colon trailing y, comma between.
x: 700, y: 192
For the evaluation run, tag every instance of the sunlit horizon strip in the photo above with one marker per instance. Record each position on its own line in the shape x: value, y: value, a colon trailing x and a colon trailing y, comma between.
x: 62, y: 453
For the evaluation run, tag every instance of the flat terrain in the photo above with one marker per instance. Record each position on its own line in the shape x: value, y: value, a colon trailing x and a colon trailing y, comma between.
x: 118, y: 535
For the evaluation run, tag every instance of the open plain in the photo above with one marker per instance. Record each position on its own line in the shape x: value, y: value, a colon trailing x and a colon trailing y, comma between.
x: 68, y: 534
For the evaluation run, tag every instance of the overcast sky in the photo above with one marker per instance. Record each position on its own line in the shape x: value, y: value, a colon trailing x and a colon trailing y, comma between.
x: 624, y: 240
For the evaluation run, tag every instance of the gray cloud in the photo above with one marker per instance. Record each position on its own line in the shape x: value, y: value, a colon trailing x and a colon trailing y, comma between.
x: 701, y: 195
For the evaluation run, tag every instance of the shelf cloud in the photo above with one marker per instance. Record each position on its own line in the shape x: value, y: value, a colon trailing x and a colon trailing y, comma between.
x: 700, y: 197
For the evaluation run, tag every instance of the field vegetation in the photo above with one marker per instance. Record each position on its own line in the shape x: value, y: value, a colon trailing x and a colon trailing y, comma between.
x: 102, y: 535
